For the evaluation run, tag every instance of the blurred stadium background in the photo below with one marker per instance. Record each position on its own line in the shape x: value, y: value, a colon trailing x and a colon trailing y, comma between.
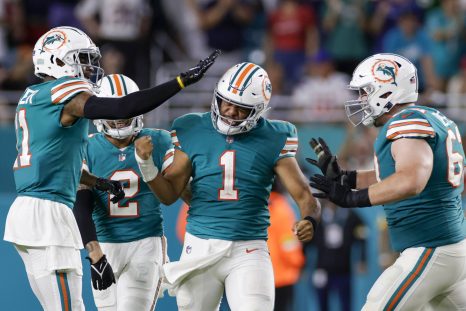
x: 308, y: 47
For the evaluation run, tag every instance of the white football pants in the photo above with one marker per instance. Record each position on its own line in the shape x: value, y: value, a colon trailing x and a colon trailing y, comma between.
x: 55, y: 276
x: 245, y: 274
x: 422, y: 279
x: 136, y: 266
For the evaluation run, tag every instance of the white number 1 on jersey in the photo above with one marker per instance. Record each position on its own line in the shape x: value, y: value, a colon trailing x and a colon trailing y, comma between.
x: 228, y: 191
x: 24, y: 157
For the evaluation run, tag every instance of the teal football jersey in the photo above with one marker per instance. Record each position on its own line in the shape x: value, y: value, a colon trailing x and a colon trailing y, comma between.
x: 138, y: 215
x: 232, y: 175
x: 49, y: 161
x: 435, y: 216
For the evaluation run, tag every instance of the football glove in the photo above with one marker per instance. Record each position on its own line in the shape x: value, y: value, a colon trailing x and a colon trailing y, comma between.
x: 112, y: 187
x: 196, y: 73
x: 340, y: 194
x: 101, y: 274
x: 328, y: 164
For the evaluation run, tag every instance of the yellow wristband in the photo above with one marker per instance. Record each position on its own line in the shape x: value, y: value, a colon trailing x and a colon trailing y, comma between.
x: 180, y: 82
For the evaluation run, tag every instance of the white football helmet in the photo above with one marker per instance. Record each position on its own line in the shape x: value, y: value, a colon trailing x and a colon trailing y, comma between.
x: 117, y: 85
x: 383, y: 80
x: 246, y: 85
x: 67, y: 51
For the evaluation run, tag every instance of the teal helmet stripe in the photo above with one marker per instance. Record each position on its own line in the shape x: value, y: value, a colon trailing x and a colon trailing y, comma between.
x: 124, y: 85
x: 247, y: 80
x: 111, y: 85
x: 236, y: 74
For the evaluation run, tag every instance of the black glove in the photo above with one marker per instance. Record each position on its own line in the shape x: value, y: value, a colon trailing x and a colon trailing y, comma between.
x: 101, y: 274
x: 328, y: 164
x: 196, y: 73
x: 111, y: 186
x: 340, y: 194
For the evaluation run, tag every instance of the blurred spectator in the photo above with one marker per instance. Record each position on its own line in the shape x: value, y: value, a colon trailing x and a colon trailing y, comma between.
x: 322, y: 94
x: 285, y: 250
x: 456, y: 93
x: 113, y: 61
x: 384, y: 17
x: 125, y: 25
x: 339, y: 230
x: 61, y: 12
x: 445, y: 25
x: 276, y: 77
x: 224, y: 23
x: 344, y: 25
x: 408, y: 39
x: 19, y: 74
x: 292, y: 35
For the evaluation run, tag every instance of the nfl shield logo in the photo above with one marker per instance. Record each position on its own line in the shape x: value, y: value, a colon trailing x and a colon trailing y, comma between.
x: 122, y: 157
x: 230, y: 139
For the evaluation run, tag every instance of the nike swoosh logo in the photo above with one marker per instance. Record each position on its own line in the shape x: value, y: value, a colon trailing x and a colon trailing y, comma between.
x: 362, y: 76
x: 251, y: 250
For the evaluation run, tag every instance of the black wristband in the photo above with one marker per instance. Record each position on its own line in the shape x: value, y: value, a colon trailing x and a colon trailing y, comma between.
x: 312, y: 221
x: 360, y: 198
x: 351, y: 178
x: 131, y: 105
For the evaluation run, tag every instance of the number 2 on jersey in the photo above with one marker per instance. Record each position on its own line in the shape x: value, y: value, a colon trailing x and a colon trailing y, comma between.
x: 228, y: 191
x: 22, y: 130
x: 131, y: 209
x: 455, y: 159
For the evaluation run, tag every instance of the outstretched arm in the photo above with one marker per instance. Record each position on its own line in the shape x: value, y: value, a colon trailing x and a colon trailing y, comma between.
x: 134, y: 104
x: 296, y: 184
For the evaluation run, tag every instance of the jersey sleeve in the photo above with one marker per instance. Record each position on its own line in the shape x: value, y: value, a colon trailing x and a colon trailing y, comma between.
x: 177, y: 128
x: 66, y: 89
x: 409, y: 124
x: 290, y: 147
x: 165, y: 149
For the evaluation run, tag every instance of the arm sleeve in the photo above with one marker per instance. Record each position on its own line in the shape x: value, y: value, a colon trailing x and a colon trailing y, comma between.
x: 82, y: 211
x: 131, y: 105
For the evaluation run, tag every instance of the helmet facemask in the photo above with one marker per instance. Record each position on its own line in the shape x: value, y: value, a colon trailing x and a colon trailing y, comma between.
x: 383, y: 81
x: 86, y: 62
x: 246, y: 86
x: 229, y: 126
x: 67, y: 51
x: 120, y: 129
x: 118, y: 85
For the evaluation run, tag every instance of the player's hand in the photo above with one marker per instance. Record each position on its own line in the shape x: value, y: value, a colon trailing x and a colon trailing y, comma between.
x: 304, y: 230
x: 144, y: 147
x: 326, y: 161
x: 340, y: 194
x: 111, y: 186
x: 328, y: 164
x: 196, y: 73
x: 101, y: 274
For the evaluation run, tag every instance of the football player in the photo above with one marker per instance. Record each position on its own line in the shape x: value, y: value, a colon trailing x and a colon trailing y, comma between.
x: 418, y: 178
x: 51, y: 134
x: 232, y: 153
x: 129, y: 232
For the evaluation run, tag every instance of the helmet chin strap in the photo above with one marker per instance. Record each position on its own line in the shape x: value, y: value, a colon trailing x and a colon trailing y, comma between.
x: 227, y: 129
